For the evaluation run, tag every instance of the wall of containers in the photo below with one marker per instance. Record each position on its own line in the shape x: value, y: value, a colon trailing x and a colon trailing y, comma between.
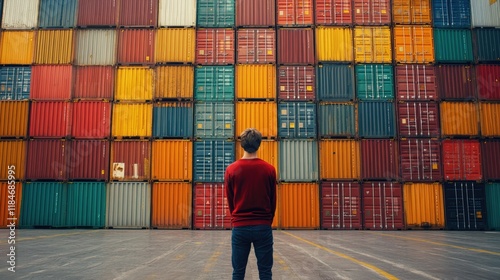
x: 376, y: 114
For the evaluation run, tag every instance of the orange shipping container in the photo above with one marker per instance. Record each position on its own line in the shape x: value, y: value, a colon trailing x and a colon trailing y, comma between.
x: 298, y: 205
x: 413, y: 44
x: 12, y: 153
x: 6, y: 191
x: 459, y: 118
x: 172, y: 160
x: 175, y: 45
x: 423, y: 205
x: 268, y: 151
x: 260, y: 115
x: 372, y: 44
x: 14, y: 118
x: 490, y: 119
x: 17, y: 47
x: 255, y: 81
x: 174, y: 82
x: 54, y: 47
x: 171, y: 205
x: 411, y: 11
x: 134, y: 84
x: 340, y: 159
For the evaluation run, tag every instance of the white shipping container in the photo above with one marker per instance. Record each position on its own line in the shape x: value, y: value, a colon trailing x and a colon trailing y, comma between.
x: 177, y: 13
x: 485, y: 13
x: 298, y: 160
x: 20, y: 14
x: 96, y: 47
x: 128, y: 205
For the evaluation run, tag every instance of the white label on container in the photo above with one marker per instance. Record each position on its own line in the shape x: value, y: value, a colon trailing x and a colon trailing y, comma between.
x: 136, y: 171
x: 118, y: 169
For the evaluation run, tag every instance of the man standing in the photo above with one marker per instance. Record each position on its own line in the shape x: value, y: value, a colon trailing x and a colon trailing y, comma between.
x: 251, y: 195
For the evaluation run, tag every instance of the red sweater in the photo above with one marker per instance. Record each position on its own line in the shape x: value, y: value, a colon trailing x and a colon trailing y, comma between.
x: 251, y: 192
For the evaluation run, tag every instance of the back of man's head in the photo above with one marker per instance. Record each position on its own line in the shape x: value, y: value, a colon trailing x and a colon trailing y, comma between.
x: 250, y: 140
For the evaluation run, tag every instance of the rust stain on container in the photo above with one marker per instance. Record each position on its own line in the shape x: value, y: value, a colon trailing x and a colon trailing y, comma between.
x: 136, y: 46
x: 382, y: 205
x: 54, y: 46
x: 255, y: 81
x: 299, y: 205
x: 295, y: 12
x: 134, y: 84
x: 456, y: 82
x: 5, y: 191
x: 417, y: 119
x: 50, y: 119
x: 295, y: 46
x: 490, y: 119
x: 97, y: 12
x: 372, y: 12
x: 340, y: 159
x: 132, y: 120
x: 337, y: 12
x: 91, y: 119
x: 341, y: 205
x: 130, y: 160
x: 174, y: 82
x: 171, y: 205
x: 256, y: 46
x: 261, y: 115
x: 94, y: 82
x: 379, y: 159
x: 14, y: 126
x: 459, y: 118
x: 416, y: 82
x: 88, y: 160
x: 462, y: 160
x: 47, y: 159
x: 255, y: 13
x: 12, y: 153
x: 17, y: 47
x: 51, y: 82
x: 175, y: 45
x: 420, y: 160
x: 172, y: 160
x: 215, y: 46
x: 210, y: 209
x: 423, y: 204
x: 296, y: 83
x: 268, y: 151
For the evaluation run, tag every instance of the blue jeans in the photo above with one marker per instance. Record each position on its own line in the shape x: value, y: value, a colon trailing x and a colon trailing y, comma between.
x: 262, y: 238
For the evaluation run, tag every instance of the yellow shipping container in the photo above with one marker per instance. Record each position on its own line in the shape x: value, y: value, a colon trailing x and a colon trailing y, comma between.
x: 54, y: 47
x: 372, y: 44
x: 14, y: 118
x: 459, y: 118
x: 17, y: 47
x: 4, y: 203
x: 411, y: 11
x: 424, y: 205
x: 268, y: 151
x: 334, y: 43
x: 134, y: 83
x: 174, y: 82
x: 132, y: 120
x: 340, y: 159
x: 172, y: 160
x: 171, y: 205
x: 12, y: 153
x: 490, y: 119
x: 255, y: 81
x: 175, y: 45
x: 298, y: 205
x: 261, y: 115
x: 413, y: 44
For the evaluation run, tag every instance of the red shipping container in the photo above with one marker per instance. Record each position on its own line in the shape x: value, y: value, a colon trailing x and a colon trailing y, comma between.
x: 488, y: 82
x: 130, y: 160
x: 97, y: 12
x: 416, y: 82
x: 136, y: 46
x: 296, y: 46
x: 379, y: 159
x: 255, y: 12
x: 295, y: 12
x: 50, y: 119
x: 296, y: 83
x: 211, y: 210
x: 340, y: 205
x: 418, y: 119
x: 51, y: 82
x: 215, y: 46
x: 490, y: 151
x: 91, y: 119
x: 47, y: 159
x: 382, y: 205
x: 420, y: 160
x: 333, y: 12
x: 372, y: 12
x: 462, y: 160
x: 256, y: 46
x: 138, y: 13
x: 456, y: 82
x: 94, y: 82
x: 88, y: 160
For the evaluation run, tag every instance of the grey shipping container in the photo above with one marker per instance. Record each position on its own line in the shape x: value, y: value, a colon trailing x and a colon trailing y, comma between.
x: 451, y: 13
x: 485, y: 13
x: 376, y: 119
x: 44, y: 204
x: 87, y: 204
x: 336, y: 119
x: 298, y: 160
x: 297, y: 120
x: 173, y: 120
x: 465, y: 206
x: 57, y: 13
x: 214, y: 83
x: 128, y: 205
x: 214, y: 120
x: 215, y: 13
x: 335, y: 82
x: 487, y: 44
x: 15, y: 82
x: 96, y: 47
x: 211, y: 158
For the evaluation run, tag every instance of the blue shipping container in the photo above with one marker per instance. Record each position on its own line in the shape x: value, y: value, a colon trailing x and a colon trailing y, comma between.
x: 173, y: 120
x: 211, y: 158
x: 297, y: 120
x: 376, y: 119
x: 337, y: 120
x: 465, y: 207
x: 453, y: 45
x: 335, y: 82
x: 87, y: 204
x: 214, y: 120
x: 57, y: 13
x: 214, y: 83
x: 487, y: 44
x: 374, y: 82
x: 44, y: 204
x: 451, y: 13
x: 15, y: 82
x: 215, y: 13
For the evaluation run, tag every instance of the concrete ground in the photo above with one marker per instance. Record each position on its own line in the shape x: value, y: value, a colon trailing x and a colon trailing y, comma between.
x: 299, y: 254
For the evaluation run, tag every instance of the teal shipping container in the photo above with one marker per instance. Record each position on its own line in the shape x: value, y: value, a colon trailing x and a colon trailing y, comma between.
x: 211, y: 158
x: 214, y: 83
x: 487, y: 44
x: 297, y: 120
x: 336, y: 120
x: 86, y: 204
x: 335, y: 82
x: 453, y: 45
x: 15, y: 82
x: 493, y: 205
x: 173, y: 120
x: 57, y: 13
x: 298, y: 160
x: 214, y: 120
x: 374, y: 82
x: 451, y: 13
x: 215, y: 13
x: 377, y: 119
x: 44, y: 204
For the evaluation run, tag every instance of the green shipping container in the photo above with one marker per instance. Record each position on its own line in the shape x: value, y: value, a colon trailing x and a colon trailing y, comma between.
x: 215, y: 13
x: 44, y: 205
x: 453, y: 45
x: 87, y: 204
x: 493, y: 205
x: 214, y: 83
x: 374, y: 82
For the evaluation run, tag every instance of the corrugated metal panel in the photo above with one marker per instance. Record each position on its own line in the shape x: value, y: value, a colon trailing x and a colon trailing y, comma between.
x: 297, y: 120
x: 420, y: 160
x: 214, y: 83
x: 130, y: 160
x: 456, y: 82
x: 255, y: 81
x: 379, y: 159
x: 453, y: 45
x: 374, y: 82
x: 136, y: 46
x: 174, y: 82
x: 94, y: 82
x: 134, y: 84
x: 96, y: 47
x: 335, y: 12
x: 296, y: 83
x: 44, y: 205
x: 47, y: 159
x: 215, y: 13
x: 255, y: 13
x: 413, y: 44
x: 12, y: 153
x: 335, y: 82
x: 488, y: 44
x: 298, y: 160
x: 171, y: 206
x: 376, y: 119
x: 177, y: 13
x: 50, y: 119
x: 138, y: 13
x: 382, y: 205
x: 268, y: 151
x: 294, y: 12
x: 173, y: 120
x: 485, y: 13
x: 418, y: 119
x: 132, y: 120
x: 88, y: 160
x: 97, y: 12
x: 214, y: 120
x: 17, y: 47
x: 490, y: 152
x: 211, y: 158
x: 256, y: 45
x: 5, y: 192
x: 295, y: 46
x: 215, y: 46
x: 172, y: 160
x: 299, y: 206
x: 51, y: 82
x: 341, y: 37
x: 20, y: 14
x: 128, y: 205
x: 258, y: 114
x: 411, y: 11
x: 91, y: 119
x: 376, y: 12
x: 57, y: 13
x: 490, y: 119
x: 337, y: 119
x: 424, y: 206
x: 462, y: 160
x: 87, y: 204
x: 15, y: 83
x: 211, y: 210
x: 488, y: 82
x: 54, y: 47
x: 340, y: 159
x: 14, y: 126
x: 416, y: 82
x: 465, y: 206
x: 175, y: 45
x: 451, y: 13
x: 340, y: 205
x: 492, y: 191
x: 459, y: 118
x: 372, y: 44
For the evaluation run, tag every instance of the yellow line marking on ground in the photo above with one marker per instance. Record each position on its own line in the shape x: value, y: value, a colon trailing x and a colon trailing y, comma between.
x: 362, y: 263
x: 50, y: 236
x: 212, y: 261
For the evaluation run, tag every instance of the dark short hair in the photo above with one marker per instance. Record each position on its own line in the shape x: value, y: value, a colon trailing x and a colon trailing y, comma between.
x: 250, y: 140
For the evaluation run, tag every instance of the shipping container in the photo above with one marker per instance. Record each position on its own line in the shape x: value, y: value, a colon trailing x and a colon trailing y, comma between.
x: 465, y: 206
x: 255, y: 81
x: 174, y: 82
x: 130, y: 160
x: 215, y: 13
x: 17, y: 47
x: 372, y: 44
x: 14, y: 119
x: 134, y: 83
x: 261, y: 115
x: 490, y: 119
x: 6, y: 190
x: 256, y: 46
x: 96, y: 47
x: 91, y: 120
x: 172, y: 160
x: 487, y: 42
x: 128, y: 205
x: 50, y: 119
x: 138, y: 13
x: 268, y: 151
x: 47, y: 159
x: 492, y: 191
x: 44, y: 205
x: 256, y: 13
x: 451, y: 13
x: 459, y: 118
x: 215, y: 46
x: 341, y: 205
x: 462, y: 160
x: 382, y: 206
x: 340, y: 159
x: 97, y: 13
x: 136, y: 46
x: 173, y: 120
x: 20, y: 14
x: 86, y: 204
x: 12, y: 157
x: 294, y: 12
x: 295, y: 46
x: 372, y: 12
x: 333, y: 12
x: 177, y: 13
x: 453, y: 45
x: 132, y: 120
x: 416, y: 82
x: 211, y: 210
x: 490, y: 153
x: 488, y: 82
x: 335, y: 82
x: 94, y: 82
x: 411, y: 11
x: 299, y: 206
x: 377, y: 119
x: 15, y: 82
x: 418, y: 119
x: 379, y: 159
x: 57, y: 13
x: 214, y: 120
x: 423, y: 206
x: 298, y: 160
x: 296, y: 83
x: 374, y: 82
x: 340, y: 37
x: 214, y: 83
x: 88, y: 160
x: 456, y: 82
x: 485, y: 13
x: 175, y: 45
x: 51, y: 82
x: 297, y: 120
x: 420, y: 160
x: 337, y: 120
x: 211, y: 158
x: 413, y: 44
x: 171, y: 205
x: 54, y: 47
